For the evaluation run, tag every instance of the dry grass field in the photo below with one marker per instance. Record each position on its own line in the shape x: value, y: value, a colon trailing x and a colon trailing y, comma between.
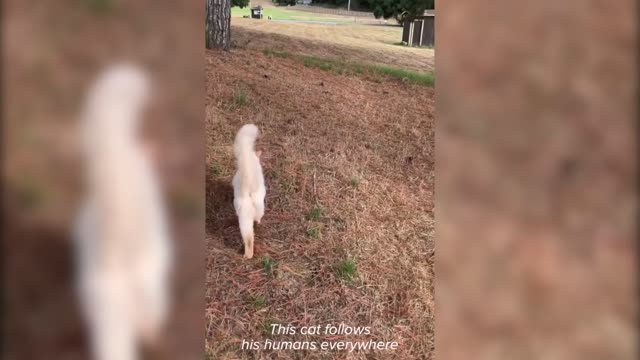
x: 348, y: 234
x: 364, y: 43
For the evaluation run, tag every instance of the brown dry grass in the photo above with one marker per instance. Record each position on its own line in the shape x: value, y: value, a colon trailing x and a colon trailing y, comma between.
x: 537, y: 180
x: 361, y: 151
x: 364, y: 43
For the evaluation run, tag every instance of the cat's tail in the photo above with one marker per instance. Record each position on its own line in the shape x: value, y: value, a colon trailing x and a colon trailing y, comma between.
x: 109, y: 139
x: 245, y: 140
x: 246, y: 218
x: 113, y: 108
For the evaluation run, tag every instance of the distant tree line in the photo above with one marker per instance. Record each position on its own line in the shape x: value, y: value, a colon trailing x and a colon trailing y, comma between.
x: 400, y: 10
x: 397, y: 9
x: 284, y: 2
x: 239, y: 3
x: 332, y: 2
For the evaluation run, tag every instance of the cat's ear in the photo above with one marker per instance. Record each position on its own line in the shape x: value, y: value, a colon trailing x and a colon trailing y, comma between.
x: 258, y: 153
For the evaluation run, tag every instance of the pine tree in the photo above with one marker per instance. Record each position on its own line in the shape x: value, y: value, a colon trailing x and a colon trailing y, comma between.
x: 401, y: 10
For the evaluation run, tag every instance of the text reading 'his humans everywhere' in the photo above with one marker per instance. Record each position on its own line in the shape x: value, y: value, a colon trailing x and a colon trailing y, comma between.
x: 322, y: 345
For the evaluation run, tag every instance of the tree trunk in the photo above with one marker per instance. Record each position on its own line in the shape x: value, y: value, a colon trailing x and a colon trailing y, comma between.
x: 218, y: 24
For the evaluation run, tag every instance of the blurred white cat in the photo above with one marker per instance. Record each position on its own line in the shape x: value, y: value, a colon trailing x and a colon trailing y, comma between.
x: 248, y: 185
x: 122, y: 238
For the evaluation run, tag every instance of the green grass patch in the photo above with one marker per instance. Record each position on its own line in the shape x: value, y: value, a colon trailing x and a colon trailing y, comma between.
x: 323, y: 64
x: 426, y: 79
x: 314, y: 232
x: 375, y: 72
x: 240, y: 98
x: 310, y: 61
x: 346, y: 269
x: 316, y: 213
x: 266, y: 326
x: 277, y: 53
x: 216, y: 170
x: 267, y: 264
x: 354, y: 182
x: 286, y: 13
x: 259, y: 301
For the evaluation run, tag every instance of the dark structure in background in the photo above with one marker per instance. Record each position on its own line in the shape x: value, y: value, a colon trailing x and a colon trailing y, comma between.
x: 256, y: 12
x: 420, y: 31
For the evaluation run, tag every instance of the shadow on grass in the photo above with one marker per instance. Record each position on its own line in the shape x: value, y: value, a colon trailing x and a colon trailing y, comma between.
x: 222, y: 223
x: 42, y: 312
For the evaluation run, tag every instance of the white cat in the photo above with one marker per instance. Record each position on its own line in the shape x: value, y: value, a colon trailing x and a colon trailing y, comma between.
x: 248, y: 185
x: 122, y: 238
